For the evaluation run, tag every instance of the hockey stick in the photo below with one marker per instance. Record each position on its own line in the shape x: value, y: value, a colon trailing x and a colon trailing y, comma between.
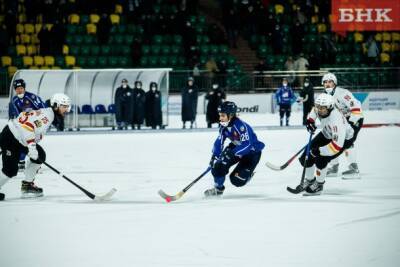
x: 299, y: 188
x: 91, y: 195
x: 170, y: 198
x: 282, y: 167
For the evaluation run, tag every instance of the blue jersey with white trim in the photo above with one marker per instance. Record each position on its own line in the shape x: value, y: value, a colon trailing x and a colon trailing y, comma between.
x: 242, y: 137
x: 29, y: 102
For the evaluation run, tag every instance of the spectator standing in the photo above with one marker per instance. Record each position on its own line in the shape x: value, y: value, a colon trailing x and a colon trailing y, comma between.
x: 285, y: 98
x: 307, y: 98
x: 123, y: 105
x: 301, y: 64
x: 289, y: 66
x: 153, y: 112
x: 372, y: 50
x: 189, y: 103
x: 103, y: 29
x: 139, y: 99
x: 215, y: 98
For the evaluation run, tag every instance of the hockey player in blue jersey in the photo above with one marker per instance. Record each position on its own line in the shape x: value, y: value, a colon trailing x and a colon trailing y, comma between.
x: 244, y: 149
x: 23, y: 101
x: 285, y: 97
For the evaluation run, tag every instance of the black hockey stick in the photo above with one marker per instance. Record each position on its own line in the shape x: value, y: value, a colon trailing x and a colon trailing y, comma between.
x: 91, y: 195
x: 282, y: 167
x: 170, y: 198
x: 300, y: 188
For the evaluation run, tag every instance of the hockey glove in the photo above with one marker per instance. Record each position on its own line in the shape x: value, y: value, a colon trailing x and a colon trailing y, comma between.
x: 32, y: 151
x: 314, y: 152
x: 353, y: 121
x: 213, y: 160
x: 227, y: 156
x: 310, y: 125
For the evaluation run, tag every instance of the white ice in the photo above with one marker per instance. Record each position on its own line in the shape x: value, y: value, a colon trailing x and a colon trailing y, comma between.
x: 354, y: 223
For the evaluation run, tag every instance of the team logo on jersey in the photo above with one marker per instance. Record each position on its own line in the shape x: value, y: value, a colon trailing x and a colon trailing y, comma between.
x: 8, y: 153
x: 27, y: 102
x: 351, y: 103
x: 38, y: 123
x: 242, y: 128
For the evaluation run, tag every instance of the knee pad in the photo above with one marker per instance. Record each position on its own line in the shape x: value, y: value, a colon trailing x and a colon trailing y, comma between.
x: 310, y: 161
x: 321, y: 162
x: 241, y: 177
x: 219, y: 169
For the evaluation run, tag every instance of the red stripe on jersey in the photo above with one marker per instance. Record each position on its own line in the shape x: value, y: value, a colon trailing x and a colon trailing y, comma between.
x: 336, y: 146
x: 30, y: 141
x: 355, y: 109
x: 30, y: 125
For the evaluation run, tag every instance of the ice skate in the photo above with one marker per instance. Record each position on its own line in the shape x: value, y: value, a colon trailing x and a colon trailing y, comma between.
x: 352, y: 172
x: 29, y: 189
x: 315, y: 188
x: 333, y: 170
x: 214, y: 192
x: 2, y: 196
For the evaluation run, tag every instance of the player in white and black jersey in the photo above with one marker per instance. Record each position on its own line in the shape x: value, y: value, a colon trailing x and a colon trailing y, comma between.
x: 336, y: 135
x: 351, y: 109
x: 22, y: 135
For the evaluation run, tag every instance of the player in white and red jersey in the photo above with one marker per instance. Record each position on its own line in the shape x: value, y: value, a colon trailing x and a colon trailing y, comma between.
x: 351, y: 109
x: 336, y: 136
x: 22, y: 135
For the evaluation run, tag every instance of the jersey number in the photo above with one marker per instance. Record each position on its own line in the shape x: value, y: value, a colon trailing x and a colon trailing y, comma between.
x: 244, y: 137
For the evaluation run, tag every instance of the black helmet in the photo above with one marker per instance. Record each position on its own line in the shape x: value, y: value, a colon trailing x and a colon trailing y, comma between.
x: 19, y: 83
x: 228, y: 108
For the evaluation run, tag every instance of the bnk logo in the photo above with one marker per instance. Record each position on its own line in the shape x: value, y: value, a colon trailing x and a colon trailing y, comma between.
x: 365, y: 15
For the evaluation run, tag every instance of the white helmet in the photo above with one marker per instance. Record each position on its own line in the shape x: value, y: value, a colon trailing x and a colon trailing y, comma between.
x: 329, y: 77
x: 325, y: 100
x: 60, y: 99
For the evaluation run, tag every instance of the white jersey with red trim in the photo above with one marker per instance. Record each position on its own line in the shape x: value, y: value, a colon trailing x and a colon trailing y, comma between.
x: 347, y: 104
x: 334, y: 127
x: 29, y: 127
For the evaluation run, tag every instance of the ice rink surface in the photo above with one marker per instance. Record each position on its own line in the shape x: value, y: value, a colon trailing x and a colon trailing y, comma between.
x: 354, y: 223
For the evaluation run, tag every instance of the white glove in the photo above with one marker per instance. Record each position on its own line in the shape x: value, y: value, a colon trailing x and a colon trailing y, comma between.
x: 32, y: 151
x: 354, y: 120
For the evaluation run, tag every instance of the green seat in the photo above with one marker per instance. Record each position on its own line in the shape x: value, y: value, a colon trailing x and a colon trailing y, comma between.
x: 201, y: 19
x: 122, y: 29
x: 356, y: 59
x: 163, y: 61
x: 192, y: 19
x: 270, y: 60
x: 262, y: 51
x: 203, y: 60
x: 18, y: 62
x: 157, y: 39
x: 84, y: 19
x: 199, y: 39
x: 144, y: 61
x: 199, y: 29
x: 85, y: 50
x: 125, y: 50
x: 78, y: 39
x: 124, y: 62
x: 280, y: 60
x: 92, y: 62
x: 118, y: 39
x: 88, y: 39
x: 339, y: 59
x: 231, y: 60
x: 153, y: 61
x: 129, y: 39
x: 214, y: 49
x: 94, y: 50
x: 60, y: 61
x: 175, y: 49
x: 11, y: 50
x: 113, y: 62
x: 74, y: 50
x: 102, y: 62
x: 204, y: 49
x: 81, y: 61
x: 114, y: 29
x: 69, y: 39
x: 181, y: 61
x: 105, y: 50
x: 172, y: 61
x: 177, y: 39
x: 167, y: 39
x: 155, y: 49
x: 145, y: 49
x: 72, y: 29
x: 165, y: 49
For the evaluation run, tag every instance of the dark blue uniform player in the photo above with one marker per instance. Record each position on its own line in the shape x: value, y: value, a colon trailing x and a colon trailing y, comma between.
x: 23, y: 101
x: 285, y: 97
x: 244, y: 149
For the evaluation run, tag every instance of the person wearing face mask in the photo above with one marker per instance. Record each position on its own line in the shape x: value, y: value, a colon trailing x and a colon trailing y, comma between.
x: 307, y: 98
x: 189, y: 103
x: 23, y: 101
x: 139, y: 99
x: 350, y: 107
x: 153, y: 112
x: 285, y: 98
x: 123, y: 105
x: 244, y: 150
x: 215, y: 97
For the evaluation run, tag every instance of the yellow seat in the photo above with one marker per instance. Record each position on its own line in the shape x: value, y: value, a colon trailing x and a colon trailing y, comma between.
x: 27, y: 61
x: 74, y: 19
x: 25, y: 39
x: 55, y: 68
x: 33, y: 67
x: 29, y: 28
x: 378, y: 37
x: 385, y: 58
x: 70, y: 61
x: 385, y: 47
x: 49, y: 61
x: 321, y: 27
x: 94, y: 18
x: 21, y: 50
x: 6, y: 61
x: 114, y: 18
x: 31, y: 50
x: 34, y: 39
x: 279, y: 9
x: 45, y: 67
x: 20, y: 28
x: 394, y: 47
x: 395, y: 36
x: 358, y: 37
x: 11, y: 70
x: 49, y: 26
x: 386, y: 37
x: 38, y: 27
x: 38, y: 60
x: 118, y: 9
x: 314, y: 19
x: 91, y: 28
x: 22, y: 18
x: 76, y: 68
x: 65, y: 50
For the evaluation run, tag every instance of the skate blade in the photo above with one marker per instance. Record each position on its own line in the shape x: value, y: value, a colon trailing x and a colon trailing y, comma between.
x: 312, y: 194
x: 351, y: 177
x: 332, y: 175
x: 31, y: 195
